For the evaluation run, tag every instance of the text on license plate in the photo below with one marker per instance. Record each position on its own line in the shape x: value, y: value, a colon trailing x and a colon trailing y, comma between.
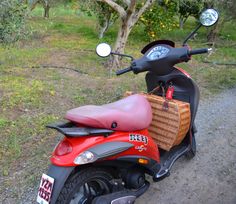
x: 45, y: 189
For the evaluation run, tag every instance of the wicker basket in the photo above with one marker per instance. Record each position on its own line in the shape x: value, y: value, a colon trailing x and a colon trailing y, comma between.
x: 169, y: 125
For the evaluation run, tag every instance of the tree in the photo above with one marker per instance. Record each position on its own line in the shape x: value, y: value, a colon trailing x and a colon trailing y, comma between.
x: 226, y: 9
x: 188, y: 8
x: 106, y: 16
x: 12, y: 20
x: 129, y: 15
x: 105, y: 20
x: 159, y: 18
x: 45, y: 3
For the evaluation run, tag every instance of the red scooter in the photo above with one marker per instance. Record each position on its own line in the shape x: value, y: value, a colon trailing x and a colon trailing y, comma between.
x: 107, y: 150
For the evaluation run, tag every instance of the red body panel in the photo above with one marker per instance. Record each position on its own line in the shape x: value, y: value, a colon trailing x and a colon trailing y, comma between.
x: 183, y: 71
x: 81, y: 144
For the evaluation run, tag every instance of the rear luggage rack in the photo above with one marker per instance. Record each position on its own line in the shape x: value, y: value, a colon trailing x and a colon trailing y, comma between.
x: 71, y: 130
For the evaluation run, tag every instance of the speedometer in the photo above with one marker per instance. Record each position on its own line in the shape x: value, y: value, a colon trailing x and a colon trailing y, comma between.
x: 157, y: 52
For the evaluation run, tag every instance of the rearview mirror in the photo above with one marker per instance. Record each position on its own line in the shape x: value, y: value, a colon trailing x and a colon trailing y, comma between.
x: 209, y: 17
x: 103, y: 50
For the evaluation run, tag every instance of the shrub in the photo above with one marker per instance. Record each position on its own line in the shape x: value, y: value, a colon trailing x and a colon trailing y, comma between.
x: 12, y: 20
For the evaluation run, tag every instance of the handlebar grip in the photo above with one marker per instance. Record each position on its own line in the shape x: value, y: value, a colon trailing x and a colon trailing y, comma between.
x: 199, y: 51
x: 122, y: 71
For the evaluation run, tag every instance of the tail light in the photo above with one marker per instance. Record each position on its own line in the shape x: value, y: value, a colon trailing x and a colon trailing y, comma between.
x: 63, y: 148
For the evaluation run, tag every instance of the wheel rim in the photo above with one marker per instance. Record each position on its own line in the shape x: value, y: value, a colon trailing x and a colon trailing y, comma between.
x: 89, y: 190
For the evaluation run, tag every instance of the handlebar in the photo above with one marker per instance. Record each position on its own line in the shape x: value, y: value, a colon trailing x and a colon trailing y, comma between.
x: 199, y: 51
x: 176, y: 56
x: 122, y: 71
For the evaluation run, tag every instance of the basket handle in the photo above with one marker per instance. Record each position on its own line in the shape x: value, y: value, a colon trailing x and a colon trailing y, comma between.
x: 157, y: 89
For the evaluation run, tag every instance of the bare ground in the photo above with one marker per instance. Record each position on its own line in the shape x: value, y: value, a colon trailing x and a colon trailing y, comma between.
x: 210, y: 177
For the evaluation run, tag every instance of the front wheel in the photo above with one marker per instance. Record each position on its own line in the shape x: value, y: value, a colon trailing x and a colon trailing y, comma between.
x: 192, y: 152
x: 85, y: 185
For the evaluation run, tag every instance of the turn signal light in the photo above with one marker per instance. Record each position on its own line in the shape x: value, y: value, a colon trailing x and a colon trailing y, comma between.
x: 85, y: 158
x: 142, y: 161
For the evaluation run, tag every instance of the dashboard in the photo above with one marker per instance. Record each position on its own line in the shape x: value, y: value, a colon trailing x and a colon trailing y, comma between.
x: 157, y: 52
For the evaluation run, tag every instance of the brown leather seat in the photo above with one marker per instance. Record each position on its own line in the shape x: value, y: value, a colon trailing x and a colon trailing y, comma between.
x: 128, y: 114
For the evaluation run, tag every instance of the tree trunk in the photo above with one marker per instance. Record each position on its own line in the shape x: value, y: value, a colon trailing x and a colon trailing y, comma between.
x: 212, y: 35
x: 33, y: 4
x: 121, y: 40
x: 182, y: 20
x: 46, y: 11
x: 214, y: 31
x: 181, y: 23
x: 104, y: 28
x: 128, y: 17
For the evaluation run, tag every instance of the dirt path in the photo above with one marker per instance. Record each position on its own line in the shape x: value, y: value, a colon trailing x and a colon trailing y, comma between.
x: 210, y: 177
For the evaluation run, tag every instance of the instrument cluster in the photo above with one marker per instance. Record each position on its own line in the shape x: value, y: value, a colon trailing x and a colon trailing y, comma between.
x: 157, y: 52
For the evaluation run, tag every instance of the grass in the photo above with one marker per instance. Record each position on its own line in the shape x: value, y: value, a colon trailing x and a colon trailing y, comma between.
x: 21, y: 92
x: 17, y: 56
x: 31, y: 97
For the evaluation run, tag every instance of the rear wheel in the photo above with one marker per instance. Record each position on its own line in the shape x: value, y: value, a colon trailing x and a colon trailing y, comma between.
x: 84, y: 186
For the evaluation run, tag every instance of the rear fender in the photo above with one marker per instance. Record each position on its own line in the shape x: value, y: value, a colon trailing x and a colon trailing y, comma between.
x: 60, y: 174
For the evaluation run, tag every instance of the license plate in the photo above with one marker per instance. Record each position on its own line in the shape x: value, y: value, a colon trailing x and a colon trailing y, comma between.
x: 45, y: 189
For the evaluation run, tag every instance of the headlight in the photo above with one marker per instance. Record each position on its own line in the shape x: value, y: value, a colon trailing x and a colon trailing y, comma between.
x: 85, y: 157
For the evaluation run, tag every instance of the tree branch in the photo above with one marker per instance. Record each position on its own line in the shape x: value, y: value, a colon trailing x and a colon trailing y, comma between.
x: 127, y: 2
x: 119, y: 9
x: 131, y: 7
x: 147, y: 4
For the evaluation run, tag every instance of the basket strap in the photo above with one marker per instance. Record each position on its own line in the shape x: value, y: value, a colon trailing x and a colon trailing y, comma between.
x: 165, y: 106
x: 169, y: 97
x: 155, y: 89
x: 163, y: 92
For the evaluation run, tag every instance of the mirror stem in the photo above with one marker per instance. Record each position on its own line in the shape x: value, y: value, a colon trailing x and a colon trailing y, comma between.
x: 191, y: 34
x: 122, y: 55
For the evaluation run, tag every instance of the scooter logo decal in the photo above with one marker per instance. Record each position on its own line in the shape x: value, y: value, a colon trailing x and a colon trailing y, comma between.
x: 141, y: 148
x: 138, y: 138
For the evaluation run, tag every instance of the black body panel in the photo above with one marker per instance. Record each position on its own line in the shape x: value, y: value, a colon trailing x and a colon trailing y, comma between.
x: 125, y: 196
x: 109, y: 149
x: 60, y: 174
x: 161, y: 65
x: 169, y: 158
x: 157, y: 42
x: 69, y: 129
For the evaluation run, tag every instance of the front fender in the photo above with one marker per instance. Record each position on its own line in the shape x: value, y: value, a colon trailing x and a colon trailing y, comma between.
x: 60, y: 174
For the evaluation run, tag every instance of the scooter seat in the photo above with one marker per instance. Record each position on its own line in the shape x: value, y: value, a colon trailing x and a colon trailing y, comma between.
x: 128, y: 114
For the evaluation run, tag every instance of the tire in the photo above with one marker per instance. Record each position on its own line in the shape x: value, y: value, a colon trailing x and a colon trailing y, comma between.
x: 84, y: 186
x: 192, y: 152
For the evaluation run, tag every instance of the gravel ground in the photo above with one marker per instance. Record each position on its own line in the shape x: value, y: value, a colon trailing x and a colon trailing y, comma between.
x: 210, y: 177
